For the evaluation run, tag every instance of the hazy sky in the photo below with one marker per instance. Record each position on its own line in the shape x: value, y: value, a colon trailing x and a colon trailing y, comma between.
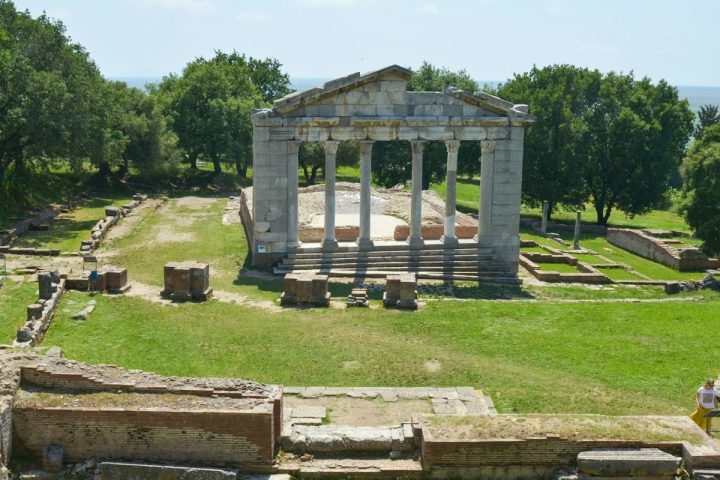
x: 491, y: 39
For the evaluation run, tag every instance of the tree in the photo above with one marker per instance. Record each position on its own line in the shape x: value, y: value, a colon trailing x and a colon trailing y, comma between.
x: 311, y: 158
x: 700, y: 204
x: 209, y: 106
x: 708, y: 115
x: 560, y: 98
x: 52, y: 103
x: 636, y: 136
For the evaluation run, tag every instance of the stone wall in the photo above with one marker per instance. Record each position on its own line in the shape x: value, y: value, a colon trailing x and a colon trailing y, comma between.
x: 5, y: 429
x: 434, y: 232
x: 654, y: 249
x: 242, y: 438
x: 509, y: 458
x: 41, y: 218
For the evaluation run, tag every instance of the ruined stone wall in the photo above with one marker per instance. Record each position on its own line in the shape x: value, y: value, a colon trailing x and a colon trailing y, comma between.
x: 5, y: 429
x: 502, y: 459
x: 651, y: 248
x: 213, y: 437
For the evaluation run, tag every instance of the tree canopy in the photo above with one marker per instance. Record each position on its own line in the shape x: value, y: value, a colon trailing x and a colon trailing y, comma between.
x: 700, y: 204
x: 609, y: 138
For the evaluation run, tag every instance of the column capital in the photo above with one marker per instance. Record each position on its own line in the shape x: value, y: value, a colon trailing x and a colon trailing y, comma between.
x: 452, y: 146
x: 417, y: 145
x: 331, y: 147
x: 294, y: 146
x: 487, y: 146
x: 366, y: 146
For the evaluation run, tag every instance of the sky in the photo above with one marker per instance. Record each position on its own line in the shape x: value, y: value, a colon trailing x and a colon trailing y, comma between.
x: 491, y: 39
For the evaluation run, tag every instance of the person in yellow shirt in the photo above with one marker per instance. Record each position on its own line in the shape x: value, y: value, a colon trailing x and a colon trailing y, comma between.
x: 706, y: 400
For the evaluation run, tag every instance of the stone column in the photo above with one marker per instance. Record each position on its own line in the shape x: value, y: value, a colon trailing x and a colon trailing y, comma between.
x: 545, y: 212
x: 576, y: 237
x: 364, y: 239
x: 415, y: 239
x: 449, y: 238
x: 487, y: 170
x: 292, y: 197
x: 329, y: 242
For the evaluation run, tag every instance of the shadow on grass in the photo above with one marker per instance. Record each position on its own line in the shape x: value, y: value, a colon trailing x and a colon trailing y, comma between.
x: 491, y: 292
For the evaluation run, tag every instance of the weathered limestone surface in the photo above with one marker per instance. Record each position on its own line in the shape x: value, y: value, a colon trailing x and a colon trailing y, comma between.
x: 634, y: 462
x: 186, y: 281
x: 140, y: 471
x: 305, y: 288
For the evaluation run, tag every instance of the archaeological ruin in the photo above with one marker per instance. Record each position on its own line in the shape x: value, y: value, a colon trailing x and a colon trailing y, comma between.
x: 376, y: 107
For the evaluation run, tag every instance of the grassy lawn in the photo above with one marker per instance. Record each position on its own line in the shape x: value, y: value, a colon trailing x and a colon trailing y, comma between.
x: 558, y: 267
x: 612, y: 358
x: 69, y: 229
x: 188, y: 231
x: 14, y: 298
x: 619, y: 274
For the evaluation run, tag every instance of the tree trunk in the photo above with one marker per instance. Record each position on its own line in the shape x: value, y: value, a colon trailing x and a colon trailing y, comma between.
x: 306, y: 174
x: 192, y: 156
x: 104, y: 169
x: 216, y: 165
x: 20, y: 166
x: 241, y: 168
x: 313, y: 175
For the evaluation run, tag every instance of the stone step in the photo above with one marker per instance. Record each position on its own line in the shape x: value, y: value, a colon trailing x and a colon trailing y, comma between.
x: 380, y: 468
x: 402, y: 267
x: 342, y: 439
x: 393, y: 258
x: 481, y: 277
x: 378, y: 251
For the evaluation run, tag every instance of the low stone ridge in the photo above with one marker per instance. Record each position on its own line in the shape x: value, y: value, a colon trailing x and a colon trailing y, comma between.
x: 631, y: 462
x: 358, y: 298
x: 40, y: 314
x: 140, y: 471
x: 112, y: 216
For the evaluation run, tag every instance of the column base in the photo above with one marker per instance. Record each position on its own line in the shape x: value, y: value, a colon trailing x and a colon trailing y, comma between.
x: 365, y: 244
x: 329, y: 244
x: 291, y: 245
x: 416, y: 242
x: 482, y: 241
x: 450, y: 242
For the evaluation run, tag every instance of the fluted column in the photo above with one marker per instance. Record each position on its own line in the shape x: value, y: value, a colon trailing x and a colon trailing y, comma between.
x: 415, y: 240
x: 487, y: 169
x: 292, y: 189
x: 329, y: 242
x: 449, y: 238
x: 364, y: 239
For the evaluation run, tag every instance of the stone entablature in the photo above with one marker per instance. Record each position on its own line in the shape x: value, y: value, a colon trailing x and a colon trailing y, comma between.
x: 377, y: 107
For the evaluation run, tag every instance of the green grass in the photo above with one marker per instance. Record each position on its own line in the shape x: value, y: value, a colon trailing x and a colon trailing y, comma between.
x: 178, y: 232
x: 68, y: 230
x: 619, y: 274
x: 588, y: 258
x: 14, y: 299
x: 558, y: 267
x: 610, y: 358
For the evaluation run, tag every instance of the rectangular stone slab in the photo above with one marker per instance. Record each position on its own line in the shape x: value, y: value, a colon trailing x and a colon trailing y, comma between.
x: 199, y: 277
x: 631, y: 462
x: 181, y: 280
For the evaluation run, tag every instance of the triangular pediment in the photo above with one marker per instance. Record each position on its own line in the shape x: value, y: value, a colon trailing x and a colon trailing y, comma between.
x: 383, y: 93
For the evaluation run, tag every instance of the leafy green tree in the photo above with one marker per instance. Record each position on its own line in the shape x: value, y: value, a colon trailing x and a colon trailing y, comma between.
x: 391, y: 163
x: 209, y: 106
x: 700, y: 204
x: 560, y: 98
x: 708, y: 115
x: 52, y: 97
x: 636, y: 136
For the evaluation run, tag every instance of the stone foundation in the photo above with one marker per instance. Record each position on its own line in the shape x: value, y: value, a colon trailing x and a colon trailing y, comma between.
x: 659, y: 250
x: 305, y: 288
x: 41, y: 313
x: 401, y: 291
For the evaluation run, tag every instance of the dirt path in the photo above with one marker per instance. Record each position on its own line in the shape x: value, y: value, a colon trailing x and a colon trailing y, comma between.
x: 152, y: 293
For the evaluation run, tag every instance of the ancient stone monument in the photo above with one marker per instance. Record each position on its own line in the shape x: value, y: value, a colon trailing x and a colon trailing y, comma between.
x: 187, y: 281
x: 400, y: 291
x: 358, y: 298
x: 377, y: 107
x: 305, y: 289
